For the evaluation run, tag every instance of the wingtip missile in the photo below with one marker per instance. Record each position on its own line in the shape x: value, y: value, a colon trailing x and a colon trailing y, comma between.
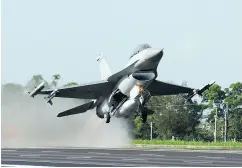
x: 212, y: 82
x: 37, y: 90
x: 199, y: 91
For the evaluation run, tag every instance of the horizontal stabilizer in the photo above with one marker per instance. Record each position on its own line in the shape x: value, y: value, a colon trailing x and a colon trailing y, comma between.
x: 76, y: 110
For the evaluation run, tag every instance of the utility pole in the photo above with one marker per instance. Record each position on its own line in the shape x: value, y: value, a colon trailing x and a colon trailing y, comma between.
x: 222, y: 132
x: 151, y: 130
x: 225, y: 122
x: 215, y: 127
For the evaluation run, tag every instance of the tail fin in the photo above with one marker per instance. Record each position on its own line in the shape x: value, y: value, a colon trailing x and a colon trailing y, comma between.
x: 104, y: 67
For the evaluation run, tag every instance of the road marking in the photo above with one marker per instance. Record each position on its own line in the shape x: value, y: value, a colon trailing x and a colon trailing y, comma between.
x: 99, y: 153
x: 212, y: 157
x: 89, y: 162
x: 197, y: 162
x: 29, y: 155
x: 150, y: 154
x: 78, y: 157
x: 133, y: 159
x: 51, y: 151
x: 24, y: 160
x: 53, y: 161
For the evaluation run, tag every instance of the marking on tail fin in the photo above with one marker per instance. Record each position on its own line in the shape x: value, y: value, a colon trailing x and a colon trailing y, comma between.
x: 104, y: 67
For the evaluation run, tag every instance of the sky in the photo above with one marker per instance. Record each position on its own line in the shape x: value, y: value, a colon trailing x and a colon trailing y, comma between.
x: 202, y: 39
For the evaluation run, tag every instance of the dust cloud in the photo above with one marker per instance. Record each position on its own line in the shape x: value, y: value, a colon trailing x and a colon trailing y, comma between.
x: 28, y: 122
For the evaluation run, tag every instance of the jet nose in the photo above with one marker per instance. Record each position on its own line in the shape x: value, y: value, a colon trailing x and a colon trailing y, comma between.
x: 150, y: 59
x: 155, y: 54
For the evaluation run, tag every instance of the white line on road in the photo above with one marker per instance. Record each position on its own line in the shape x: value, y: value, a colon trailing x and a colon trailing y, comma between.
x: 78, y: 157
x: 212, y: 157
x: 99, y: 153
x: 150, y: 154
x: 29, y: 155
x: 133, y: 159
x: 51, y: 151
x: 197, y: 162
x: 24, y: 160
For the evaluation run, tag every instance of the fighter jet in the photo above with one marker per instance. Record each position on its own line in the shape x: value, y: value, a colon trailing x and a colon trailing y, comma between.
x: 122, y: 93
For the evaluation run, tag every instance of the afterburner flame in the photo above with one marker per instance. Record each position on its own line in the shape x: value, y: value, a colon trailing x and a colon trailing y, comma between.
x: 139, y: 87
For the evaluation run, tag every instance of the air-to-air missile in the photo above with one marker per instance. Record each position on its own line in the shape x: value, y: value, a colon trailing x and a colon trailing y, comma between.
x: 199, y: 91
x: 51, y: 96
x: 37, y: 90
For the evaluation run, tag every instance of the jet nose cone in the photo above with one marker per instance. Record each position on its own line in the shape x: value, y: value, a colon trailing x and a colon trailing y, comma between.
x: 155, y: 54
x: 150, y: 59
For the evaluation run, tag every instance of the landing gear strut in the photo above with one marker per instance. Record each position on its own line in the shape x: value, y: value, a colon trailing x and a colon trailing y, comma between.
x: 144, y: 117
x: 107, y: 117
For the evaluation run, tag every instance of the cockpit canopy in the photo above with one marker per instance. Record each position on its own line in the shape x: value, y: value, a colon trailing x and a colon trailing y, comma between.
x: 139, y: 49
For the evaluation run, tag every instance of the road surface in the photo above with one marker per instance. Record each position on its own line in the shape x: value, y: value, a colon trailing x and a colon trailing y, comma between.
x: 94, y: 157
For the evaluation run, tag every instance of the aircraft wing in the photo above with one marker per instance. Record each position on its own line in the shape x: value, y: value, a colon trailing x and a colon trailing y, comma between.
x: 85, y: 91
x: 157, y: 88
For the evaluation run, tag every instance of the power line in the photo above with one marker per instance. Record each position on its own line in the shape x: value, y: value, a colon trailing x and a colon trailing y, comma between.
x: 171, y: 105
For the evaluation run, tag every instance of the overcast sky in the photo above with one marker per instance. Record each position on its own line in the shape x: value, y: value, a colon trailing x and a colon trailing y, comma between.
x: 202, y: 39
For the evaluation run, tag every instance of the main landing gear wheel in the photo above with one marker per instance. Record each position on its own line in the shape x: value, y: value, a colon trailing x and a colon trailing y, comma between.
x: 107, y: 117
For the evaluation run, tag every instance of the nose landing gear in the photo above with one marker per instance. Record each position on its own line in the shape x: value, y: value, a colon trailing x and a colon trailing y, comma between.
x: 107, y: 117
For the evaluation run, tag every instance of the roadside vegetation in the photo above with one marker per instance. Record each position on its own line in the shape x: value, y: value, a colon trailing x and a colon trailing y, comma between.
x: 192, y: 143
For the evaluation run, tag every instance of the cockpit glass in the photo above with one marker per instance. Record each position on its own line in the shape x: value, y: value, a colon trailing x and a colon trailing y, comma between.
x: 140, y: 48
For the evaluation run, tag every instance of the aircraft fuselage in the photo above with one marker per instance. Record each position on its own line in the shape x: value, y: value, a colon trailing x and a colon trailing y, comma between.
x: 130, y: 92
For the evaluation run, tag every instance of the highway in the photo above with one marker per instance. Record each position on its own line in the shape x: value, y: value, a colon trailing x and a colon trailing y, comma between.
x: 128, y: 157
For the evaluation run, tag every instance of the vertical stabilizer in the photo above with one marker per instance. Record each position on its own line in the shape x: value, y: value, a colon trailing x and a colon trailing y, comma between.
x: 104, y: 67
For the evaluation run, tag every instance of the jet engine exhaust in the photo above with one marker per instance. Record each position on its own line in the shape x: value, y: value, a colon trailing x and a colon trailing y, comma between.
x: 141, y: 79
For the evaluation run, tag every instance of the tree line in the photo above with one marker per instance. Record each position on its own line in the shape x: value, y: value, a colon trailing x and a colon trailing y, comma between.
x: 173, y: 117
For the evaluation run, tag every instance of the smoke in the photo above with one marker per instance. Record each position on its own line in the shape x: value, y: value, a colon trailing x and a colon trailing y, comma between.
x: 28, y: 122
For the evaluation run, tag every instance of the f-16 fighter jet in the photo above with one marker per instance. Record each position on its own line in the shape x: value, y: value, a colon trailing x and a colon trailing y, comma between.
x: 122, y: 93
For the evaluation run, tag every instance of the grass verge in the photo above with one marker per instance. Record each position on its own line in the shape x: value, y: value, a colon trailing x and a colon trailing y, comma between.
x: 190, y: 143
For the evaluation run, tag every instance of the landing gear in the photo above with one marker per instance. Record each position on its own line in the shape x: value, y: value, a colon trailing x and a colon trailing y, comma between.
x: 144, y: 117
x: 107, y: 117
x: 143, y: 114
x: 111, y: 111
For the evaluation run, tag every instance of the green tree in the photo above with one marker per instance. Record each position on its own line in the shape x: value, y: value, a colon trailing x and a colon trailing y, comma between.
x: 55, y: 80
x: 232, y: 96
x: 34, y: 81
x: 234, y: 100
x: 172, y: 117
x: 70, y: 84
x: 175, y: 118
x: 212, y: 100
x: 141, y: 130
